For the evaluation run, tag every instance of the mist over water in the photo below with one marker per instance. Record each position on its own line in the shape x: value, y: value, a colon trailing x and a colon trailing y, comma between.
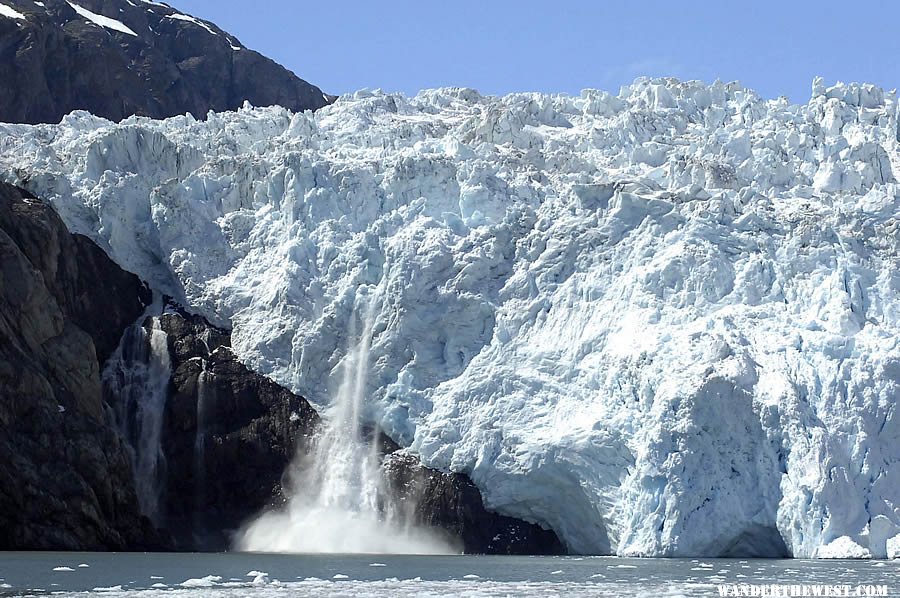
x: 340, y: 502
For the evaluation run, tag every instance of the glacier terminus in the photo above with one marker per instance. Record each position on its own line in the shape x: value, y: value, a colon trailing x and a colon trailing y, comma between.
x: 663, y: 323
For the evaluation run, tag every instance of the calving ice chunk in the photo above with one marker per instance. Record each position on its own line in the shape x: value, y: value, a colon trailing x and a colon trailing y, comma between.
x: 660, y: 323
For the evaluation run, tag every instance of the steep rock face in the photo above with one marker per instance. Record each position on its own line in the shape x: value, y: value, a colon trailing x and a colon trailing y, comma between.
x: 97, y: 295
x: 65, y: 479
x: 451, y: 501
x: 116, y: 58
x: 228, y: 435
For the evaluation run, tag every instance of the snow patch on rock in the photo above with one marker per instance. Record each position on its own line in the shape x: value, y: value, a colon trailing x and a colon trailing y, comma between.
x: 11, y: 13
x: 181, y: 17
x: 101, y: 20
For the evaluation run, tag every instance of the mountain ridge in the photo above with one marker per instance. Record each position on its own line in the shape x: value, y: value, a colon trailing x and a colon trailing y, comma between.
x: 117, y: 58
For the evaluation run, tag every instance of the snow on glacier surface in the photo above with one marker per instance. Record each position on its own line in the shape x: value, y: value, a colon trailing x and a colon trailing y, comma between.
x: 661, y: 323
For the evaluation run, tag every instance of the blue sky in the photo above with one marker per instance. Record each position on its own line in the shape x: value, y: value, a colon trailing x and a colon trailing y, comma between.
x: 500, y: 46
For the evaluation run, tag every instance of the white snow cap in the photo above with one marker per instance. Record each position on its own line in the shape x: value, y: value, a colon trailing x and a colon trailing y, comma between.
x: 663, y: 323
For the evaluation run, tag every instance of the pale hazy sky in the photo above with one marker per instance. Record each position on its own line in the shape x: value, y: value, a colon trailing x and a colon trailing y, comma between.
x: 498, y: 46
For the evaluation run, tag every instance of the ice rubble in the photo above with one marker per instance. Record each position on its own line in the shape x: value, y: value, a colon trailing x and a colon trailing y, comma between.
x: 662, y: 323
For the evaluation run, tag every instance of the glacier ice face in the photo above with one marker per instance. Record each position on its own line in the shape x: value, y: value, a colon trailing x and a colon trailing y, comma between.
x: 661, y: 323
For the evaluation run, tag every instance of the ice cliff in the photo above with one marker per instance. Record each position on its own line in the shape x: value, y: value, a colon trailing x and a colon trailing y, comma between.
x: 660, y: 323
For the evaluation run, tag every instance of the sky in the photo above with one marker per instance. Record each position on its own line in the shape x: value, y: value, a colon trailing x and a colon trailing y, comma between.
x: 501, y: 46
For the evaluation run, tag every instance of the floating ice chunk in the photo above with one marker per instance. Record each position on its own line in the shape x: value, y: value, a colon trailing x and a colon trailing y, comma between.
x: 340, y: 576
x: 893, y: 547
x: 843, y: 548
x: 471, y: 576
x: 377, y: 565
x: 201, y: 582
x: 259, y: 577
x: 63, y: 568
x: 83, y: 566
x: 102, y: 20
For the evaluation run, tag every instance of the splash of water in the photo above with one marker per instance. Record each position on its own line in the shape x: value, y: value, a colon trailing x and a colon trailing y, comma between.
x: 341, y: 504
x: 136, y: 381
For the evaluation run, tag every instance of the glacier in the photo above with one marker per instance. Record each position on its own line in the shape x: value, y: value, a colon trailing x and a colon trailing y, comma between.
x: 661, y: 323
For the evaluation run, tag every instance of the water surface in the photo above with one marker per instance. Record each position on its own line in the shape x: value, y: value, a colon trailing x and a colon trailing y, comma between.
x: 264, y: 575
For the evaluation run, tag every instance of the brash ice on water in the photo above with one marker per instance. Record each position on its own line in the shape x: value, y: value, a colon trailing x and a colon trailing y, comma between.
x: 339, y: 502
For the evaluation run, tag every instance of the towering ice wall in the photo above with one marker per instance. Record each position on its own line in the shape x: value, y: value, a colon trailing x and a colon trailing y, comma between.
x: 663, y: 323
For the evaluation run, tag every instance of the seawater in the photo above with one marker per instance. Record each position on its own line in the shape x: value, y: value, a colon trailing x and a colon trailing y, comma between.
x: 244, y: 574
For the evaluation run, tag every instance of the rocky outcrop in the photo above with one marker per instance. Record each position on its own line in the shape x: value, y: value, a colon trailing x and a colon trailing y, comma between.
x: 451, y: 501
x: 151, y: 60
x: 228, y: 435
x: 65, y: 478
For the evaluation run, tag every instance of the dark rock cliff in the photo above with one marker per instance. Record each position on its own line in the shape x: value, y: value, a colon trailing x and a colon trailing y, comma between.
x: 65, y: 479
x: 451, y: 501
x: 56, y: 60
x: 228, y: 435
